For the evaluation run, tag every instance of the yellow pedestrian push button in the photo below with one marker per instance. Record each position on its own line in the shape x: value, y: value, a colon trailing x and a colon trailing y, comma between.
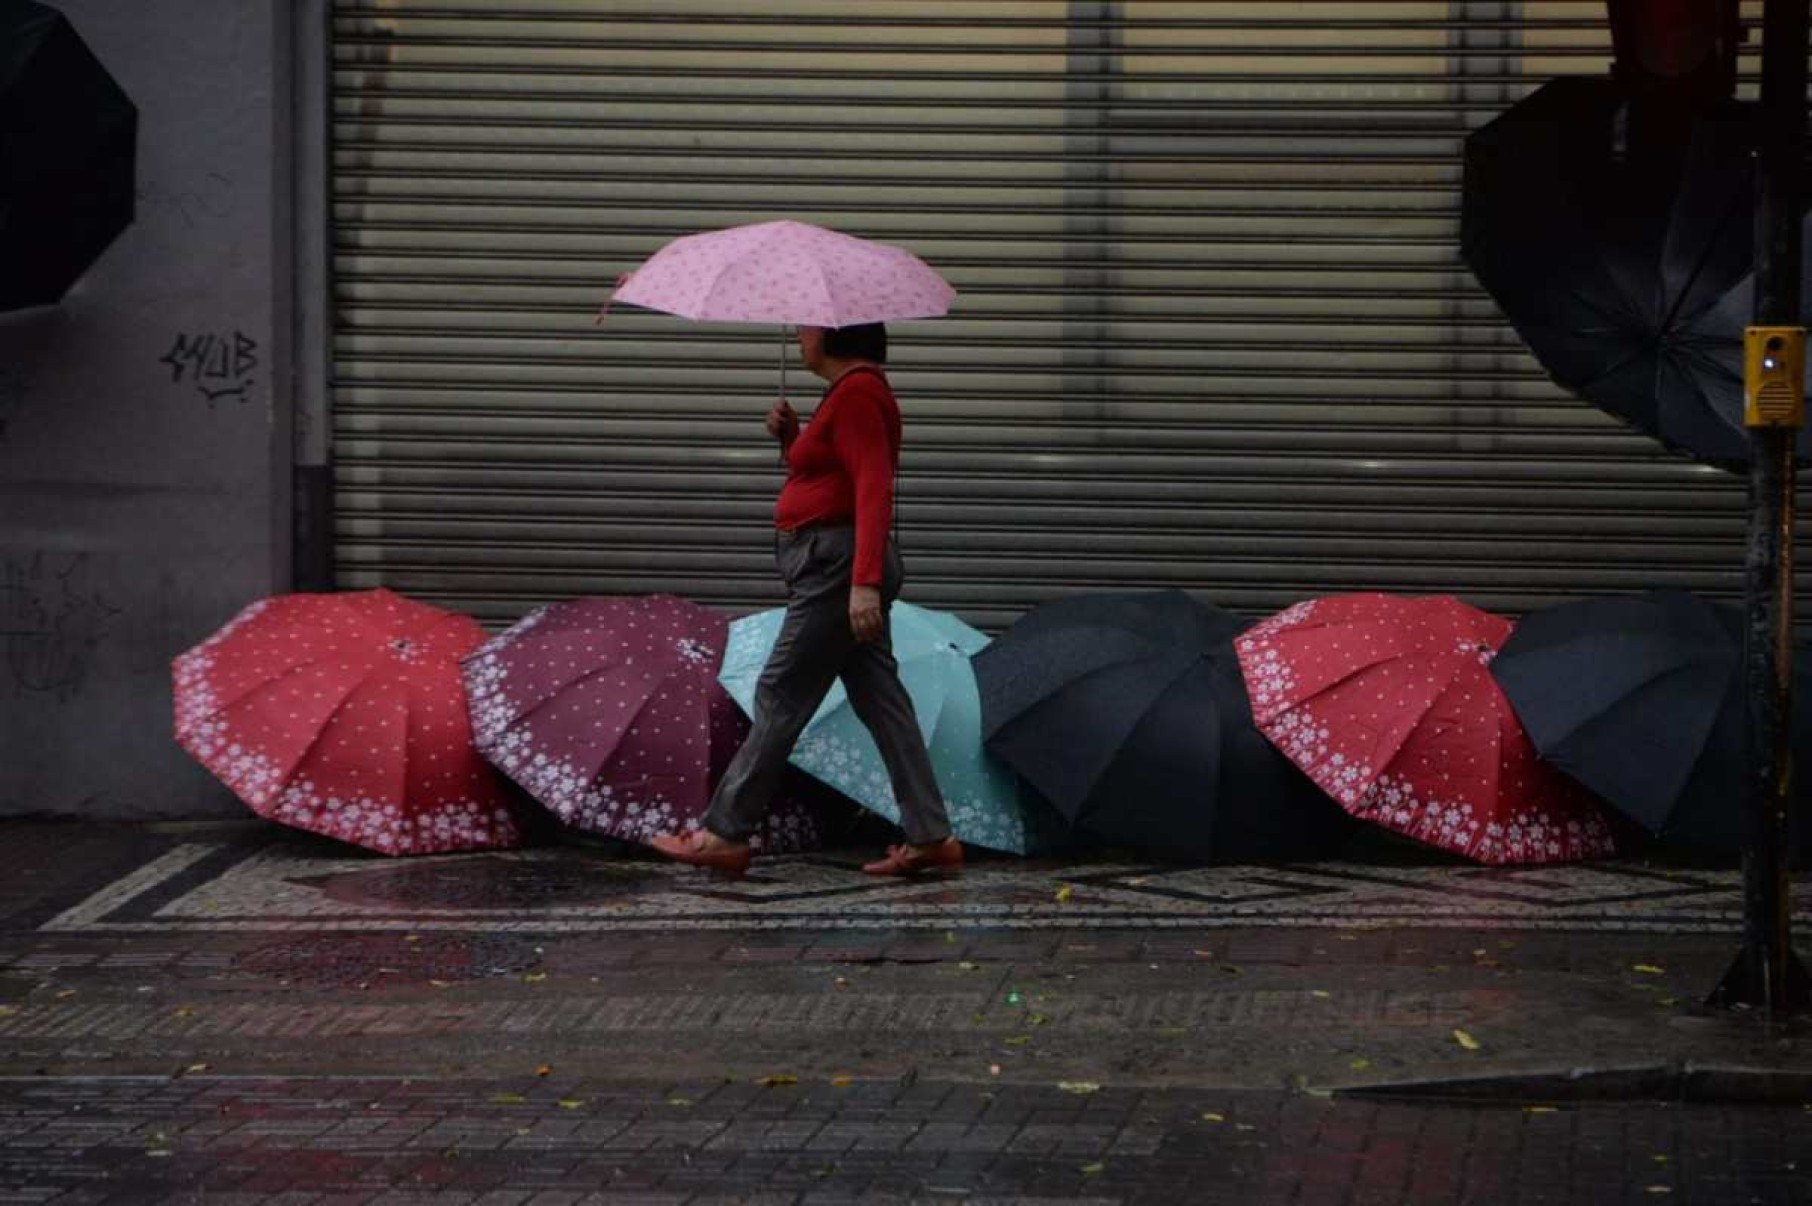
x: 1774, y: 376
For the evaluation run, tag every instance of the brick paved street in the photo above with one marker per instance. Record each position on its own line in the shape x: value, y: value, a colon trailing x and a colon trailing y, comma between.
x: 551, y: 1141
x: 230, y: 1014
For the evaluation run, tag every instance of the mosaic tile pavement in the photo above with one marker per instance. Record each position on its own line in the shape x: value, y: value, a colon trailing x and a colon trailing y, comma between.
x: 289, y: 885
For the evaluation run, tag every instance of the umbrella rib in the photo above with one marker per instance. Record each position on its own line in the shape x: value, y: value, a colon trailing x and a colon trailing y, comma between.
x: 1698, y: 268
x: 1641, y: 684
x: 326, y: 723
x: 289, y: 671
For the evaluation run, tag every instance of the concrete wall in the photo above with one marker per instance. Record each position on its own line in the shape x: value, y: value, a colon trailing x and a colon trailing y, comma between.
x: 144, y: 423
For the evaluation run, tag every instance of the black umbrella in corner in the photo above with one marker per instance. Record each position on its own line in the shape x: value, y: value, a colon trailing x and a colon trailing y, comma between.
x: 1128, y: 712
x: 68, y: 140
x: 1630, y: 278
x: 1640, y: 698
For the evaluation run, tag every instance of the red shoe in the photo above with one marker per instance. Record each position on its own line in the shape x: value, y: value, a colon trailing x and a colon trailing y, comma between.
x: 946, y: 856
x: 732, y: 863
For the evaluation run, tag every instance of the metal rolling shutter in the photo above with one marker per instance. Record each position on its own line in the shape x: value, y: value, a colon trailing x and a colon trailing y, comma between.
x: 1213, y: 332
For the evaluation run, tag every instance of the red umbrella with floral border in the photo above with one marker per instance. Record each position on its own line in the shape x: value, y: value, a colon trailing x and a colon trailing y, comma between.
x: 344, y: 715
x: 1388, y: 703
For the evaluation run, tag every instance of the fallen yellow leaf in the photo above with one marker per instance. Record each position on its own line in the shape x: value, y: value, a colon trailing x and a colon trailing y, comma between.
x: 1541, y: 1109
x: 1360, y: 1065
x: 185, y: 1012
x: 1082, y: 1087
x: 1065, y: 893
x: 967, y: 965
x: 1659, y: 1189
x: 1649, y: 969
x: 508, y: 1099
x: 197, y: 1068
x: 1089, y: 1170
x: 1322, y: 993
x: 535, y: 977
x: 842, y: 1082
x: 778, y: 1079
x: 1214, y: 1118
x: 679, y: 1101
x: 570, y: 1103
x: 1465, y: 1040
x: 1018, y: 1040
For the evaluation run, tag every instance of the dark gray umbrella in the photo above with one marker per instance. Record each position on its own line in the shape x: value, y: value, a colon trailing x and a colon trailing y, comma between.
x: 1630, y: 278
x: 1128, y: 712
x: 68, y: 140
x: 1640, y: 698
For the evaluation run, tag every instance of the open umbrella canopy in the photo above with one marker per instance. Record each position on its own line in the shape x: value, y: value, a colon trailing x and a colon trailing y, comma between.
x: 786, y: 272
x: 68, y: 145
x: 1389, y: 705
x: 1127, y: 712
x: 344, y: 715
x: 933, y: 650
x: 1641, y: 698
x: 1630, y: 279
x: 608, y: 712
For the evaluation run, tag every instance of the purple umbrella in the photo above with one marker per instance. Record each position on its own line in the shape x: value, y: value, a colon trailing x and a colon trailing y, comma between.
x: 608, y: 711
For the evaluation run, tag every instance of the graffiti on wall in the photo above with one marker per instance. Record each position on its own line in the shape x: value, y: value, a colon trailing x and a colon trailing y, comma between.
x: 219, y: 365
x: 53, y: 618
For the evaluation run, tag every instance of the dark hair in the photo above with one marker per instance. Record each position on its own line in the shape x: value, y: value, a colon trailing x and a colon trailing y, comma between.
x: 864, y: 341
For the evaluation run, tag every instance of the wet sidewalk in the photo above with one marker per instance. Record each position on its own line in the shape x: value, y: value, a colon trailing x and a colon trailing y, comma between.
x: 296, y: 1020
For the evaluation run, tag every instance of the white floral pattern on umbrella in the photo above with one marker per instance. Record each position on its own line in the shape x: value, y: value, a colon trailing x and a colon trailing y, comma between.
x: 608, y: 712
x: 344, y: 715
x: 1389, y: 705
x: 933, y: 650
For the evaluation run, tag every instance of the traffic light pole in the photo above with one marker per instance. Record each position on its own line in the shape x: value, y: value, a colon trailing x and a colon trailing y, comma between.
x: 1767, y: 974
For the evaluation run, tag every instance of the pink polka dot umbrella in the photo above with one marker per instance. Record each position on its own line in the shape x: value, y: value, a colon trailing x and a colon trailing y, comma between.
x: 608, y: 711
x: 1389, y: 705
x: 786, y: 272
x: 343, y: 715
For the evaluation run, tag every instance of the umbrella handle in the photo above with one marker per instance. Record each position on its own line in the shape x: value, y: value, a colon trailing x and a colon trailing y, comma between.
x: 783, y: 384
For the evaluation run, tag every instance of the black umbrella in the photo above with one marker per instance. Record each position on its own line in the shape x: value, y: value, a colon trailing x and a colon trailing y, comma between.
x: 68, y: 136
x: 1640, y: 698
x: 1129, y: 713
x: 1630, y: 277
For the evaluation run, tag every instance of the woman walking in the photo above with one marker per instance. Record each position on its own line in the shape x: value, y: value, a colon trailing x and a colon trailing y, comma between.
x: 842, y: 571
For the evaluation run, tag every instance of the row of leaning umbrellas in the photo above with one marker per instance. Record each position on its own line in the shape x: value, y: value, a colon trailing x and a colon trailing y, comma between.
x: 1150, y: 721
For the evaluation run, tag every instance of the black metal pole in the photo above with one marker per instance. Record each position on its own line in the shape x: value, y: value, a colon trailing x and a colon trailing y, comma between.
x: 1767, y: 974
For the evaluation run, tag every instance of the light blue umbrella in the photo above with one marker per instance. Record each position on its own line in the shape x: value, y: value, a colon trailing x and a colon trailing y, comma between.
x: 933, y: 650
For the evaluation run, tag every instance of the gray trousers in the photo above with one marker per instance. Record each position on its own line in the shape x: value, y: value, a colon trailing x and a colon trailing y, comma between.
x: 814, y: 649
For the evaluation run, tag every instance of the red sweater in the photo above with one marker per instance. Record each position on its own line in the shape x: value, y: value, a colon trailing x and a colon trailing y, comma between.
x: 840, y: 469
